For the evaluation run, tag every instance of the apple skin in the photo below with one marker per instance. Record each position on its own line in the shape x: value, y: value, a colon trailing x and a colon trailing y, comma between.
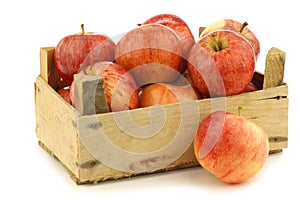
x: 163, y: 93
x: 249, y: 88
x: 182, y: 29
x: 65, y: 94
x: 229, y: 24
x: 230, y: 147
x: 185, y: 79
x: 225, y: 72
x: 119, y: 86
x: 82, y: 48
x: 152, y: 53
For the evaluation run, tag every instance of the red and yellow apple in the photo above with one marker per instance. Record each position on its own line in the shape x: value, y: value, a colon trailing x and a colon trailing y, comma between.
x: 163, y: 93
x: 230, y: 147
x: 65, y: 94
x: 182, y: 29
x: 152, y: 53
x: 229, y: 24
x: 119, y: 86
x: 84, y: 48
x: 221, y: 63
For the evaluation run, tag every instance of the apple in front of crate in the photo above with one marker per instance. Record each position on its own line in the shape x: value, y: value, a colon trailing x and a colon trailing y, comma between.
x: 84, y: 48
x: 221, y: 63
x: 163, y: 93
x: 230, y: 147
x: 176, y: 23
x: 229, y: 24
x: 152, y: 53
x: 119, y: 86
x: 65, y: 94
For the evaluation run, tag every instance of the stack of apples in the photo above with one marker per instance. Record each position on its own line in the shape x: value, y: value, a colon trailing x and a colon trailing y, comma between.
x: 159, y: 62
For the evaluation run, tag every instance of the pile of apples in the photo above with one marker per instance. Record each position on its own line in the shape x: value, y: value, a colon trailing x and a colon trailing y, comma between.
x: 159, y: 62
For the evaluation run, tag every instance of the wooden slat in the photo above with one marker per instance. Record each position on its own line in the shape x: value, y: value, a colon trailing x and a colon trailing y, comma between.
x: 91, y: 126
x: 48, y: 70
x: 274, y: 70
x: 54, y: 125
x: 89, y: 95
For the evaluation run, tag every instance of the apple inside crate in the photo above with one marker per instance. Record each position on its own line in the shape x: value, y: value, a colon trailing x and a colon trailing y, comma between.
x: 99, y: 147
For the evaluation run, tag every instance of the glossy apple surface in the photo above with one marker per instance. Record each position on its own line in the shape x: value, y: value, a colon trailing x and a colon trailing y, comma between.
x: 229, y: 24
x: 119, y: 86
x: 82, y: 48
x: 162, y: 93
x: 65, y: 94
x: 221, y: 64
x: 231, y: 147
x: 152, y: 53
x: 176, y: 23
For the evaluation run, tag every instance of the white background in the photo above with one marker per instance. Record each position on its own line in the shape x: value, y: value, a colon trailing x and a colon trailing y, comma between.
x: 29, y: 172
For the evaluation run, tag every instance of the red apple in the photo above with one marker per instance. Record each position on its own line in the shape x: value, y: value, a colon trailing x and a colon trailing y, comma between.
x: 82, y: 48
x: 119, y: 86
x: 162, y: 93
x: 221, y: 63
x: 249, y: 88
x: 152, y: 53
x: 65, y: 94
x: 229, y: 24
x: 185, y: 79
x: 231, y: 147
x: 182, y: 29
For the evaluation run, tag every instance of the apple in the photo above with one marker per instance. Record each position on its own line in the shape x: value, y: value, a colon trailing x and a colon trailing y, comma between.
x: 152, y: 53
x: 182, y: 29
x: 230, y: 147
x: 119, y: 86
x: 249, y: 88
x: 65, y: 94
x: 82, y: 48
x: 163, y: 93
x: 229, y: 24
x: 185, y: 79
x: 221, y: 63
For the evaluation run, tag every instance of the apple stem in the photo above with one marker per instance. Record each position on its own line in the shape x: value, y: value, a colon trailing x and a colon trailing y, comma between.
x: 240, y: 110
x: 82, y: 29
x: 216, y: 46
x: 83, y: 69
x: 139, y: 24
x: 243, y: 26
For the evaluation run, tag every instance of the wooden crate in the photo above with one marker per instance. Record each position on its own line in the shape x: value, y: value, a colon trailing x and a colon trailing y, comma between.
x: 65, y: 133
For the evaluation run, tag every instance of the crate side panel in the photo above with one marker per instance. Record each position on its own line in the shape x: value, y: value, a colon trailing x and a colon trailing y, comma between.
x: 268, y: 108
x: 273, y: 119
x: 115, y: 134
x: 93, y: 171
x: 54, y: 125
